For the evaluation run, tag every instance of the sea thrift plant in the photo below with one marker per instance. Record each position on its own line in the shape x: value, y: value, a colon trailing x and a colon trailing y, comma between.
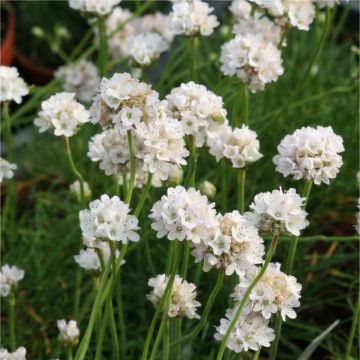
x: 9, y: 278
x: 7, y: 169
x: 75, y: 189
x: 18, y: 354
x: 12, y: 86
x: 68, y: 332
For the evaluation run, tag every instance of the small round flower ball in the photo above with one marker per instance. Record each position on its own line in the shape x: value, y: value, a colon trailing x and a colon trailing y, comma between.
x: 62, y: 114
x: 192, y: 17
x: 68, y: 332
x: 310, y: 154
x: 6, y: 169
x: 75, y: 189
x: 95, y: 7
x: 12, y: 86
x: 278, y: 212
x: 182, y: 300
x: 109, y: 219
x: 9, y: 278
x: 241, y: 9
x: 208, y: 189
x: 18, y: 354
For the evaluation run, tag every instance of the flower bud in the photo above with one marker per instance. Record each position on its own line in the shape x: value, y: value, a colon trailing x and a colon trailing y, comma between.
x: 208, y: 189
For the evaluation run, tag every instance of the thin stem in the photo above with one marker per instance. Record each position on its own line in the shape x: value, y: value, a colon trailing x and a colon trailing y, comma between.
x: 166, y: 342
x: 257, y: 354
x: 121, y: 320
x: 132, y: 167
x: 241, y: 176
x: 355, y: 320
x: 113, y: 329
x: 143, y: 196
x: 245, y: 100
x: 103, y: 50
x: 12, y: 321
x: 100, y: 338
x: 8, y: 134
x: 69, y: 353
x: 190, y: 179
x: 245, y: 298
x: 78, y: 276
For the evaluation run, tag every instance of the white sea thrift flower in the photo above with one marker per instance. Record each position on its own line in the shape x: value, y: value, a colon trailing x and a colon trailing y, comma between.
x: 19, y: 354
x: 75, y: 189
x: 12, y: 86
x: 109, y: 219
x: 146, y: 47
x: 182, y: 300
x: 296, y: 13
x: 96, y: 7
x: 278, y: 211
x: 241, y: 9
x: 62, y: 114
x: 208, y: 189
x: 200, y: 111
x: 192, y: 17
x: 69, y: 332
x: 6, y: 169
x: 275, y: 292
x: 253, y: 60
x: 234, y: 246
x: 81, y: 78
x: 9, y: 278
x: 310, y: 154
x: 251, y: 332
x: 183, y: 214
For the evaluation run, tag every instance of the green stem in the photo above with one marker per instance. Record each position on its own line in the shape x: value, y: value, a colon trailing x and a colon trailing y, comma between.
x: 103, y: 50
x: 8, y: 134
x: 166, y: 342
x: 113, y: 330
x: 355, y: 320
x: 78, y: 275
x: 245, y: 298
x: 132, y: 167
x: 245, y: 100
x: 190, y: 179
x: 257, y: 354
x: 100, y: 338
x: 241, y: 176
x: 69, y: 353
x: 12, y: 321
x: 143, y: 196
x: 121, y: 320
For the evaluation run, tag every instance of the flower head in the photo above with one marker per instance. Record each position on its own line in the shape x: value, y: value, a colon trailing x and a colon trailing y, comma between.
x: 6, y: 169
x: 9, y: 278
x: 75, y: 189
x: 12, y: 86
x: 19, y: 354
x: 182, y: 300
x: 95, y: 7
x: 62, y: 114
x: 310, y: 154
x: 241, y: 9
x: 278, y: 211
x: 69, y: 332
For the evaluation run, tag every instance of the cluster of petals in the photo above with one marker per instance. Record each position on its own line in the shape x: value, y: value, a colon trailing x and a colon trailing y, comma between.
x: 109, y: 219
x: 95, y: 7
x: 6, y: 169
x: 62, y: 114
x: 310, y: 154
x: 182, y: 300
x: 251, y: 331
x: 253, y: 60
x: 12, y: 86
x: 75, y: 189
x: 81, y: 78
x: 275, y: 293
x: 200, y: 111
x: 241, y: 9
x: 278, y: 212
x: 183, y: 214
x: 68, y: 332
x: 234, y: 246
x: 9, y: 278
x: 192, y: 17
x: 239, y: 145
x: 18, y: 354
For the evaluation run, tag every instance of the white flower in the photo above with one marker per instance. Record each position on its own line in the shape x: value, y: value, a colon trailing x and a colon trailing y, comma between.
x: 278, y: 211
x: 12, y: 86
x: 200, y: 111
x: 6, y: 169
x: 81, y: 78
x: 9, y: 278
x: 75, y: 189
x: 241, y: 9
x: 19, y: 354
x: 253, y: 60
x: 310, y: 154
x: 69, y: 332
x: 251, y: 332
x: 326, y: 3
x: 208, y: 189
x: 146, y: 47
x: 96, y: 7
x: 62, y: 114
x: 183, y: 214
x: 182, y: 300
x: 235, y: 246
x: 109, y: 219
x: 275, y: 292
x: 192, y: 17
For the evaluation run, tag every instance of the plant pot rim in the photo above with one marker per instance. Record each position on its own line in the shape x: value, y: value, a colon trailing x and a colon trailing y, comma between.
x: 8, y: 45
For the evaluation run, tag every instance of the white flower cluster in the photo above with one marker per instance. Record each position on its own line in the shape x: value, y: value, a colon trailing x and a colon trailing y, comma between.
x: 12, y: 86
x: 241, y: 9
x: 6, y: 169
x: 19, y: 354
x: 62, y: 114
x: 200, y: 111
x: 108, y: 219
x: 182, y: 300
x: 9, y: 278
x: 278, y: 211
x: 81, y: 78
x: 69, y: 332
x: 239, y: 145
x: 75, y: 189
x: 145, y: 48
x: 253, y: 60
x: 299, y: 14
x: 310, y: 154
x: 96, y: 7
x: 234, y: 246
x: 251, y: 332
x: 192, y: 17
x: 275, y: 293
x: 183, y: 215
